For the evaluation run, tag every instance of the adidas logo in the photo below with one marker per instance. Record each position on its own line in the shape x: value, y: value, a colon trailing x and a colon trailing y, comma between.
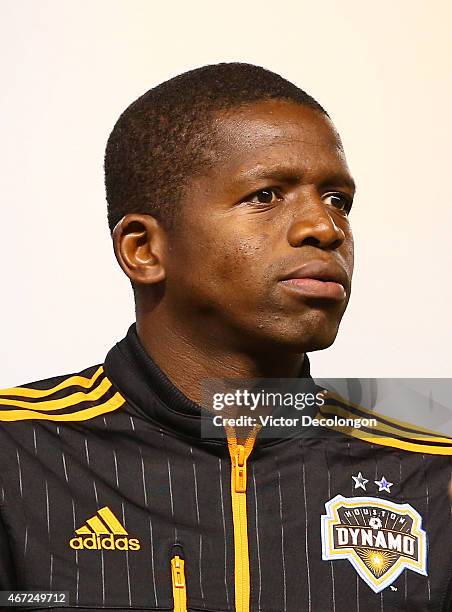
x: 103, y: 531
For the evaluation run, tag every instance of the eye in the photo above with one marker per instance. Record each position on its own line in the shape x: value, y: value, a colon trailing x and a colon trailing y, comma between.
x: 263, y: 196
x: 339, y: 200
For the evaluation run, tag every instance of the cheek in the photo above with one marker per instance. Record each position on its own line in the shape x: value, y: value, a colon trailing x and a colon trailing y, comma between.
x: 346, y: 249
x: 350, y: 255
x: 243, y: 259
x: 231, y: 248
x: 217, y: 261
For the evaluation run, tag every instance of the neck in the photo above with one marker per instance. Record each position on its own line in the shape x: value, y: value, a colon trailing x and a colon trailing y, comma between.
x: 187, y: 358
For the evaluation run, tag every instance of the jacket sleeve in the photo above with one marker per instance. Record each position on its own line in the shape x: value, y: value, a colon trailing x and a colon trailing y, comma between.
x: 7, y: 570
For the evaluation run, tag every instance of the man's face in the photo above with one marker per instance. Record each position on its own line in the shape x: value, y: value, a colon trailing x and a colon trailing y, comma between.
x: 263, y: 233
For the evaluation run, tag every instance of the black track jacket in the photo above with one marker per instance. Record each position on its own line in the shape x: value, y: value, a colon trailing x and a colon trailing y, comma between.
x: 108, y: 491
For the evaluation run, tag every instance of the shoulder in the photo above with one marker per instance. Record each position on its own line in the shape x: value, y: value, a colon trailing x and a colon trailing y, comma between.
x: 372, y: 427
x: 72, y: 397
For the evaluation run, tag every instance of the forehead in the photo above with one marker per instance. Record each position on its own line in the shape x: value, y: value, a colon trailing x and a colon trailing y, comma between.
x: 278, y: 132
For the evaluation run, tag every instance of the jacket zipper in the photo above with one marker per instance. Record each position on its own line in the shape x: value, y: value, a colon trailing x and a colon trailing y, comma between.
x: 239, y: 454
x: 179, y: 584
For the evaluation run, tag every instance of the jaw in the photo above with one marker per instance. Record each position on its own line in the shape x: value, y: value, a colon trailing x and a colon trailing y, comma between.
x: 313, y: 330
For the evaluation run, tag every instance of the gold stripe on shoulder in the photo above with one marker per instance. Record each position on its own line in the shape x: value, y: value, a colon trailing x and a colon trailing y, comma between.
x: 395, y: 426
x: 72, y: 381
x: 65, y: 402
x: 110, y: 405
x: 390, y: 430
x: 395, y: 442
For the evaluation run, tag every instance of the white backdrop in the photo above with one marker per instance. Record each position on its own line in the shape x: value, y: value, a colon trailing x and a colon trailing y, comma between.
x: 383, y: 71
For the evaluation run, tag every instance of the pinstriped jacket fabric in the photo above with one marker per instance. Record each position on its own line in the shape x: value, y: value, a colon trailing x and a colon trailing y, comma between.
x: 105, y: 481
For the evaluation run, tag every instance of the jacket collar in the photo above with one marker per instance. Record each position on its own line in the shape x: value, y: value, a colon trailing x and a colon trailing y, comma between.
x: 152, y: 393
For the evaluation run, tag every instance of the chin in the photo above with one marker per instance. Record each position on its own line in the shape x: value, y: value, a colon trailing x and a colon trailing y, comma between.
x: 315, y: 331
x: 309, y: 338
x: 309, y: 345
x: 295, y: 342
x: 319, y: 344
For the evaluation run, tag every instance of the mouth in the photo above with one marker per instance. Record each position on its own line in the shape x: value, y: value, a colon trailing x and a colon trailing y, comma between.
x: 318, y: 279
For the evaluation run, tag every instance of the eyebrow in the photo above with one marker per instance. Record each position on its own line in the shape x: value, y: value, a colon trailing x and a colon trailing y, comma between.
x: 340, y: 179
x: 288, y: 176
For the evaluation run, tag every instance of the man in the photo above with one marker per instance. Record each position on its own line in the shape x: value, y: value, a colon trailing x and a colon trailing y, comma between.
x: 229, y: 196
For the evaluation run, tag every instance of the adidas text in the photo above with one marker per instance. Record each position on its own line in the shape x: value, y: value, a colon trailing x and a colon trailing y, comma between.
x: 106, y: 542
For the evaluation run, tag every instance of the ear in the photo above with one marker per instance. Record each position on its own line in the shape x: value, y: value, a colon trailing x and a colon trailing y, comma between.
x: 139, y: 244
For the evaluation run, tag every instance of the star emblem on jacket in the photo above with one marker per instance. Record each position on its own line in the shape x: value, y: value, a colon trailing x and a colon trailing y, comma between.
x: 360, y: 481
x: 383, y: 485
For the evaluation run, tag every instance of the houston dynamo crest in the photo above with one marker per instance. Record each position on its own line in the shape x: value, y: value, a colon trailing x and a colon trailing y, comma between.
x: 379, y: 537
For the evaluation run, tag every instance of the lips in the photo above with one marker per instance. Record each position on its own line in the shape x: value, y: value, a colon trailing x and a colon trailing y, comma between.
x: 318, y: 279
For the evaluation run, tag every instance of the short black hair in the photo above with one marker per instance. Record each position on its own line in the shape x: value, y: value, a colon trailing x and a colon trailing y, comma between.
x: 166, y: 136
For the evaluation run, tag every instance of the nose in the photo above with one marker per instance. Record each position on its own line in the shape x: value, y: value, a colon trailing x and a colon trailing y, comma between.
x: 314, y: 225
